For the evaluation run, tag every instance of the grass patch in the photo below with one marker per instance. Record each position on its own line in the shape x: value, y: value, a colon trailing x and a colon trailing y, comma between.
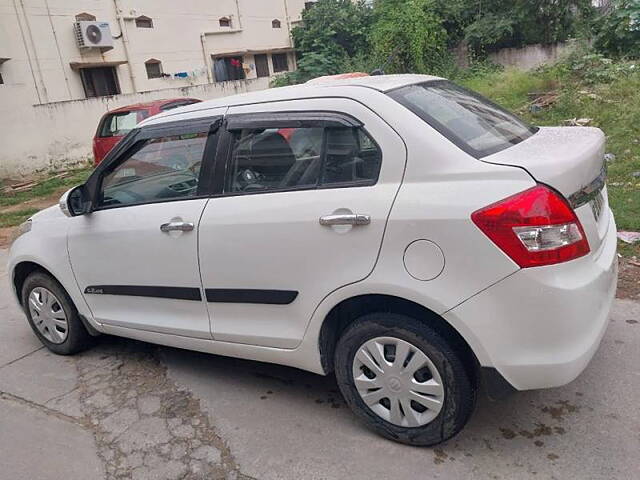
x: 627, y: 250
x: 47, y: 187
x: 11, y: 219
x: 614, y: 107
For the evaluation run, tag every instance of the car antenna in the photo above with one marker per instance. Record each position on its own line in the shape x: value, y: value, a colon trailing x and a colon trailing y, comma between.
x: 380, y: 71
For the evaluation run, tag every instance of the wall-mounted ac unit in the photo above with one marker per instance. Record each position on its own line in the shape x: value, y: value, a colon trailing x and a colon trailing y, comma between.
x: 93, y: 35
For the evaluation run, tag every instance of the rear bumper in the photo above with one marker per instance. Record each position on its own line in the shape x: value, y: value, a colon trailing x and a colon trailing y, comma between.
x: 540, y: 327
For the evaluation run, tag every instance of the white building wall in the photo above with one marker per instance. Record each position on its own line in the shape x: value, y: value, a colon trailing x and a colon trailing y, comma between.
x: 45, y: 118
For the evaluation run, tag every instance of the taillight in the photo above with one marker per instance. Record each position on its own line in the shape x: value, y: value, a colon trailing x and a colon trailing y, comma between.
x: 534, y: 228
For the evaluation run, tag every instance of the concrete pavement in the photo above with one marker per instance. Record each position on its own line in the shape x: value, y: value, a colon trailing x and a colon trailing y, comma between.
x: 131, y: 410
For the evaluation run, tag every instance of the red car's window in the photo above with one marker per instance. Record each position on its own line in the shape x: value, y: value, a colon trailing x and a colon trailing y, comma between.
x: 121, y: 123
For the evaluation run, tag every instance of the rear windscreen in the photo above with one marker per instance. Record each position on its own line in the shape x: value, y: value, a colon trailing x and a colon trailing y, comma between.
x: 121, y: 123
x: 473, y: 123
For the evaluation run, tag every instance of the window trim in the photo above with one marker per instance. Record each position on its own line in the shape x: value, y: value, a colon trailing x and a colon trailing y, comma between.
x: 139, y: 136
x: 286, y: 119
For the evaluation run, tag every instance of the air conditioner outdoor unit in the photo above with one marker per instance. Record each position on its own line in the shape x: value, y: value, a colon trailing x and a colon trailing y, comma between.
x: 93, y: 35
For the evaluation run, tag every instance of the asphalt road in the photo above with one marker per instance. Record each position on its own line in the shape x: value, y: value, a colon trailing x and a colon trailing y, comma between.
x: 130, y: 410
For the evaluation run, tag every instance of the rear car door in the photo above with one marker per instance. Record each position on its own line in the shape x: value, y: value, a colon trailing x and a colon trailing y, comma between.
x: 302, y: 212
x: 135, y: 256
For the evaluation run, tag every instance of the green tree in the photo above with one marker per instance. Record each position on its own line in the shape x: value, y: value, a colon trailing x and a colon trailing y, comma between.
x: 619, y: 30
x: 408, y: 35
x: 331, y: 31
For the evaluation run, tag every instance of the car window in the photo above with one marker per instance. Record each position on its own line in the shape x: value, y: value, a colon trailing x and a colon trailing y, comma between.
x: 469, y: 120
x: 351, y: 157
x: 275, y: 159
x: 121, y: 123
x: 159, y: 169
x: 179, y: 103
x: 291, y: 158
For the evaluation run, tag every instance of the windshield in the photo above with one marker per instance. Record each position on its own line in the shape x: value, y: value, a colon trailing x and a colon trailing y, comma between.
x: 121, y: 123
x: 473, y: 123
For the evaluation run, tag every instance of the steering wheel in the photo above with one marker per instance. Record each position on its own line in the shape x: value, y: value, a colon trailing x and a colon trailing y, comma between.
x: 248, y: 179
x: 179, y: 162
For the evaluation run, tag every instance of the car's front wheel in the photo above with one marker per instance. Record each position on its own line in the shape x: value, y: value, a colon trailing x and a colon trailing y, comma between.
x: 53, y: 316
x: 403, y: 379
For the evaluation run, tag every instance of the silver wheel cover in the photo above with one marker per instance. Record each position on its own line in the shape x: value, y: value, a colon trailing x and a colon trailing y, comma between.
x: 48, y: 315
x: 398, y: 382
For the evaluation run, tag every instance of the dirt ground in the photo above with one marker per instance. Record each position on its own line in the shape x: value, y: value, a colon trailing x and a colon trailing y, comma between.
x: 629, y: 279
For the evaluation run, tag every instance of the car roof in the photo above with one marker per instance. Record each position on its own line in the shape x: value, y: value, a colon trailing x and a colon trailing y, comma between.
x: 147, y: 105
x: 326, y: 86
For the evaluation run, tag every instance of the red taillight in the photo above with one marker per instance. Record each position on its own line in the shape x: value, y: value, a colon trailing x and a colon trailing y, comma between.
x: 535, y: 227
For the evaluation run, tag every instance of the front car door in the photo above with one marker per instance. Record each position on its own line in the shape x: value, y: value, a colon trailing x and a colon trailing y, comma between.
x: 135, y: 256
x: 301, y: 213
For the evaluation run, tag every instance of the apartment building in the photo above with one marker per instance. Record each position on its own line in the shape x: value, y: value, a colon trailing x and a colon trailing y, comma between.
x: 63, y: 63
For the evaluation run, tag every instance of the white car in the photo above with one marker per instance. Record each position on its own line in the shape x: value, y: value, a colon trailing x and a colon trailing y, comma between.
x: 400, y: 231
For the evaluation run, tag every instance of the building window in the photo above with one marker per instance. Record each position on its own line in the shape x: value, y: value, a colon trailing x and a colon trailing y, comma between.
x: 100, y: 81
x: 228, y: 68
x: 225, y: 22
x: 262, y: 65
x: 154, y: 68
x: 144, y: 22
x: 1, y: 79
x: 85, y: 17
x: 280, y: 62
x: 275, y: 23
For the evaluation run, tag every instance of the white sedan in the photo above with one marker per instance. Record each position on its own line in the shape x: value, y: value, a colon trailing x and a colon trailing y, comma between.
x: 400, y: 231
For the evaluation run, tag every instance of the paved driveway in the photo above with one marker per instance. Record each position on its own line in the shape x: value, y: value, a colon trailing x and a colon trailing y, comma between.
x: 131, y: 410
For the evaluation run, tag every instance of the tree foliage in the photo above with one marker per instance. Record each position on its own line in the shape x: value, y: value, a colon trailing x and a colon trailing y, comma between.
x: 619, y: 30
x: 409, y: 34
x: 336, y: 36
x: 514, y: 23
x: 330, y: 32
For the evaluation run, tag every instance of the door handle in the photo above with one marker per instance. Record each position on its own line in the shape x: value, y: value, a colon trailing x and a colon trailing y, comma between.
x: 345, y: 219
x: 176, y: 227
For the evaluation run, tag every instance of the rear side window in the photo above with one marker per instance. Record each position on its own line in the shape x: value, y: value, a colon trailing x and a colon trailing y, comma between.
x: 473, y: 123
x: 276, y: 159
x: 121, y: 123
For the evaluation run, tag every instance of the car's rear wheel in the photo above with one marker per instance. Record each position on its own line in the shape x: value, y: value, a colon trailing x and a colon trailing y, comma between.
x: 403, y: 379
x: 53, y: 316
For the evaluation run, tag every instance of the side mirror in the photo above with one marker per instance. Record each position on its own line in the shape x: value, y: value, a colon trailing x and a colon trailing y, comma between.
x: 75, y: 202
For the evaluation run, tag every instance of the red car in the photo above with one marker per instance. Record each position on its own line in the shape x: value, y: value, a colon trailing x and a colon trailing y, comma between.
x: 115, y: 124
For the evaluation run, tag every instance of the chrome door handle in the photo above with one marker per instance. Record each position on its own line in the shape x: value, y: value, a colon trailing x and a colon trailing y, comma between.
x: 176, y: 227
x: 348, y: 219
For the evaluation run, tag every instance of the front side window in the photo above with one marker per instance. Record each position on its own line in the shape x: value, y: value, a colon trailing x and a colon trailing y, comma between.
x: 469, y: 120
x: 158, y: 169
x: 276, y: 159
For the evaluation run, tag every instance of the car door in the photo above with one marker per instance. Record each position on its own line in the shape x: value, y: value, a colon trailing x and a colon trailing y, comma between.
x: 135, y: 255
x: 302, y: 212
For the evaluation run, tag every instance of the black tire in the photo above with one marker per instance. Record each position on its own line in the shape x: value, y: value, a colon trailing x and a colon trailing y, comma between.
x: 459, y: 388
x: 78, y: 339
